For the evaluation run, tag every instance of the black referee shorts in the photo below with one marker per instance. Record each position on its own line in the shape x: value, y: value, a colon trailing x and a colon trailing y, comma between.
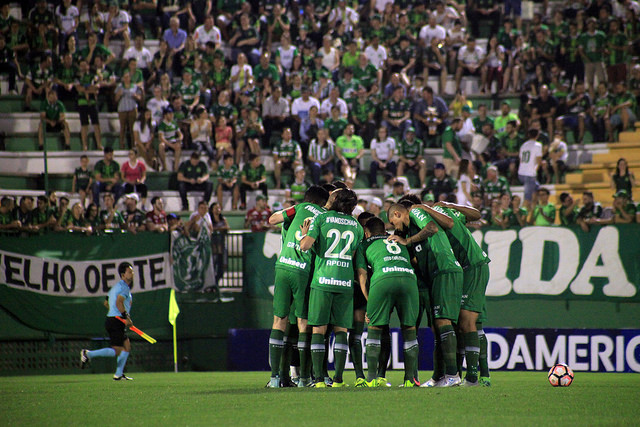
x: 115, y: 329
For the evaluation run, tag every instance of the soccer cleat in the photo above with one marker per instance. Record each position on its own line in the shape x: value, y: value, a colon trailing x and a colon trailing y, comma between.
x: 288, y: 382
x: 274, y: 382
x: 318, y: 384
x: 431, y: 383
x: 451, y: 381
x: 360, y: 382
x: 373, y: 383
x: 339, y: 384
x: 467, y: 383
x: 410, y: 383
x: 84, y: 358
x: 485, y: 381
x: 328, y: 381
x: 304, y: 382
x: 122, y: 377
x: 383, y: 382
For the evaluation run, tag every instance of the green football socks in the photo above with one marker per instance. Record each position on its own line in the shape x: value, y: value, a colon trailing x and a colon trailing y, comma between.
x: 355, y: 347
x: 482, y: 362
x: 460, y: 352
x: 305, y: 354
x: 385, y: 352
x: 472, y: 352
x: 373, y: 353
x: 438, y: 362
x: 276, y: 345
x: 449, y: 346
x: 317, y: 355
x: 340, y: 350
x: 410, y: 353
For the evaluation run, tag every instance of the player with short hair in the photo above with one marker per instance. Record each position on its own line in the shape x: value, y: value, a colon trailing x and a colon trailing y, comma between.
x: 435, y: 258
x: 293, y: 269
x: 335, y: 235
x: 119, y: 304
x: 393, y: 285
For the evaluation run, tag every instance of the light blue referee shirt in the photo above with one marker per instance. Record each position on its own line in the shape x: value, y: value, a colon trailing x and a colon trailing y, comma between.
x: 121, y: 288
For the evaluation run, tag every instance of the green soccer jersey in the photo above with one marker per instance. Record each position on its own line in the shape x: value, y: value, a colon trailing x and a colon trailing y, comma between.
x: 571, y: 219
x: 270, y: 71
x: 337, y: 237
x: 500, y: 123
x: 335, y: 127
x: 169, y: 130
x: 291, y: 256
x: 227, y: 174
x: 86, y: 80
x: 52, y: 111
x: 411, y: 150
x: 549, y: 210
x: 478, y: 123
x: 290, y: 150
x: 106, y: 170
x: 396, y: 109
x: 593, y: 45
x: 388, y: 260
x: 104, y: 215
x: 219, y: 77
x: 494, y: 189
x: 361, y: 111
x: 512, y: 218
x: 367, y: 75
x: 347, y: 89
x: 253, y: 174
x: 83, y: 176
x: 350, y: 147
x: 40, y: 217
x: 464, y: 246
x: 617, y: 56
x: 449, y: 135
x: 188, y: 92
x: 438, y: 256
x: 298, y: 189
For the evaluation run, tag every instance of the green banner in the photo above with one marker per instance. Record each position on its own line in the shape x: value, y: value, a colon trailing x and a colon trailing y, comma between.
x: 58, y: 282
x: 531, y: 262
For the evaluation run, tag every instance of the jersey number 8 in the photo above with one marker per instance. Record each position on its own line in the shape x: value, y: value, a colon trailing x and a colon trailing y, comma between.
x: 392, y: 247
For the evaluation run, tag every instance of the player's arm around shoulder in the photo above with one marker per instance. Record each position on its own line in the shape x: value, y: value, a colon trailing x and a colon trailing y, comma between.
x: 310, y: 230
x: 280, y: 216
x: 444, y: 220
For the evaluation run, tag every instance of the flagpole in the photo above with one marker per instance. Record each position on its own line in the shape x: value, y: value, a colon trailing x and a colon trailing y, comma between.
x: 175, y: 350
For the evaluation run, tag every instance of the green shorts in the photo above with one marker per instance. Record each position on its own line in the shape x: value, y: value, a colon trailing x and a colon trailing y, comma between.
x: 482, y: 317
x: 359, y: 301
x: 334, y: 308
x: 424, y: 307
x: 446, y: 295
x: 291, y: 286
x: 399, y: 292
x: 474, y: 286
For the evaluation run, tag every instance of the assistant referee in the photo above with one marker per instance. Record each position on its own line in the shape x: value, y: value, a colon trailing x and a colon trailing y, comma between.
x: 119, y: 304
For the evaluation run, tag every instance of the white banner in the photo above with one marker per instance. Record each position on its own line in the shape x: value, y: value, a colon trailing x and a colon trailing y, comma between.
x: 82, y: 278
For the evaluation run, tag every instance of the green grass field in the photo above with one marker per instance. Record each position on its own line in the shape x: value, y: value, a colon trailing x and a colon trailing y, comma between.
x: 240, y: 399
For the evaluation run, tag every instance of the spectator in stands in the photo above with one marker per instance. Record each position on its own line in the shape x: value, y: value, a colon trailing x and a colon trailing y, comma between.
x: 9, y: 225
x: 622, y: 114
x: 246, y: 39
x: 157, y: 104
x: 383, y: 149
x: 334, y: 100
x: 578, y: 107
x: 435, y: 62
x: 64, y: 78
x: 223, y: 136
x: 554, y: 166
x: 432, y: 30
x: 193, y: 175
x: 82, y: 180
x: 92, y: 216
x: 42, y: 218
x: 411, y: 156
x: 106, y: 174
x: 569, y: 209
x: 495, y: 58
x: 309, y: 126
x: 38, y: 81
x: 9, y: 64
x: 544, y: 212
x: 116, y: 25
x: 134, y: 175
x: 335, y: 124
x: 544, y: 108
x: 287, y: 154
x: 301, y: 106
x: 591, y: 47
x: 298, y: 187
x: 257, y: 219
x: 427, y: 123
x: 143, y: 136
x: 508, y: 151
x: 68, y: 19
x: 41, y: 15
x: 321, y: 156
x: 452, y: 147
x: 76, y: 222
x: 170, y: 138
x: 515, y: 215
x: 464, y: 185
x: 162, y: 64
x: 134, y: 218
x: 227, y: 176
x: 253, y: 177
x: 176, y: 39
x: 24, y: 213
x: 275, y: 112
x: 87, y: 88
x: 59, y: 209
x: 590, y: 212
x: 530, y: 156
x: 494, y: 185
x: 623, y: 178
x: 218, y: 240
x: 53, y: 119
x: 145, y: 16
x: 440, y: 185
x: 141, y: 54
x: 487, y: 10
x: 349, y: 150
x: 600, y: 114
x: 207, y: 32
x: 471, y: 62
x: 110, y: 219
x: 362, y: 112
x: 156, y: 218
x: 95, y: 49
x: 200, y: 219
x: 500, y: 122
x: 128, y: 96
x: 396, y: 116
x: 624, y: 210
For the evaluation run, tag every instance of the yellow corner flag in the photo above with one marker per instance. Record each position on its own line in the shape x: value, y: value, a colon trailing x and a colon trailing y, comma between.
x: 174, y: 310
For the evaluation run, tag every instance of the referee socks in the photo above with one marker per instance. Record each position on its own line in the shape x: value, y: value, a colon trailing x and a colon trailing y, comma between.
x: 103, y: 352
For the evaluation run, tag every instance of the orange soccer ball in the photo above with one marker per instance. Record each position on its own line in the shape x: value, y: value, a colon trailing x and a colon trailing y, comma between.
x: 560, y: 375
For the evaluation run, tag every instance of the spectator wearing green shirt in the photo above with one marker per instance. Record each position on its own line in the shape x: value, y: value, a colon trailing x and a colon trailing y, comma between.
x: 87, y: 86
x: 170, y: 138
x: 246, y: 40
x: 618, y: 46
x: 52, y: 115
x: 38, y: 81
x: 569, y: 210
x: 500, y: 122
x: 64, y: 78
x: 349, y: 150
x: 110, y: 218
x: 623, y: 209
x: 591, y: 49
x: 544, y: 213
x: 411, y: 156
x: 287, y: 154
x: 396, y: 116
x: 253, y: 177
x: 452, y: 147
x: 622, y: 107
x: 193, y: 175
x: 82, y: 179
x: 106, y: 175
x: 227, y: 175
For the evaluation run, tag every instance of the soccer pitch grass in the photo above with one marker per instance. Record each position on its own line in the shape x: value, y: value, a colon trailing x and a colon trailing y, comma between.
x: 240, y: 399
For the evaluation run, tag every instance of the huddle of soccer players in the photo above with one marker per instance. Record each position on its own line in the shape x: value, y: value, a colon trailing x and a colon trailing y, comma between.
x: 334, y: 268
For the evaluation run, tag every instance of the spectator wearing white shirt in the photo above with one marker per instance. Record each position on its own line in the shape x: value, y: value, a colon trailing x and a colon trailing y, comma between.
x: 330, y: 56
x: 432, y: 30
x: 241, y: 73
x: 300, y: 106
x: 466, y: 132
x: 376, y: 53
x: 446, y: 15
x: 286, y: 52
x: 157, y: 104
x: 471, y: 62
x: 334, y: 100
x: 68, y: 18
x: 141, y: 54
x: 530, y: 160
x: 383, y: 149
x: 207, y: 32
x: 116, y: 22
x: 346, y: 15
x: 198, y: 220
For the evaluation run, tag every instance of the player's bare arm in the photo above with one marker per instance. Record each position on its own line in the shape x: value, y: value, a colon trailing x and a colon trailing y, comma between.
x: 307, y: 241
x: 362, y: 279
x: 429, y: 230
x: 442, y: 219
x: 471, y: 213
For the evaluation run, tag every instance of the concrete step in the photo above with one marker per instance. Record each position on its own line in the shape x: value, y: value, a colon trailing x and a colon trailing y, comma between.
x: 631, y: 137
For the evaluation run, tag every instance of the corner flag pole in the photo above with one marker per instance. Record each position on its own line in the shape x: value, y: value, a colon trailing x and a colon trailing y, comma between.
x: 174, y: 310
